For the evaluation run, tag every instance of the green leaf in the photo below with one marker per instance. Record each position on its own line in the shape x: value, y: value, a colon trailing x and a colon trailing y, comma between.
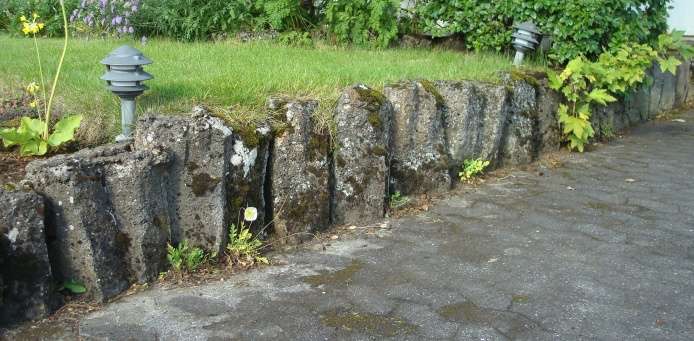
x: 12, y: 137
x: 669, y: 65
x: 554, y: 82
x: 32, y: 127
x: 64, y: 130
x: 35, y: 146
x: 601, y: 96
x: 74, y: 287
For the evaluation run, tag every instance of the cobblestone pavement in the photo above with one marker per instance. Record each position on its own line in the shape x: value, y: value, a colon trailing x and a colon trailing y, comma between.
x: 598, y: 248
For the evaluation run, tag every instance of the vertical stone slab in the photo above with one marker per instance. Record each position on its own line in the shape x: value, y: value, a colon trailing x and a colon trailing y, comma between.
x: 137, y: 185
x: 495, y: 118
x: 420, y: 159
x: 547, y: 106
x: 682, y: 87
x: 362, y: 158
x: 201, y: 146
x: 25, y: 271
x: 464, y: 120
x: 521, y: 138
x: 300, y: 171
x: 247, y: 175
x: 83, y: 235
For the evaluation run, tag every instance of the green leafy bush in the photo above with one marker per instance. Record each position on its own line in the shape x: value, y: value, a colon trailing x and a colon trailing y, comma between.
x: 47, y: 10
x: 205, y: 19
x: 578, y: 27
x: 184, y: 257
x: 584, y: 83
x: 34, y: 136
x: 472, y: 168
x: 362, y: 22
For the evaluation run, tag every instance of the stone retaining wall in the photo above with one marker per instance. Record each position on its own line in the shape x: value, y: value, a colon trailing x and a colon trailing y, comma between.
x: 103, y: 216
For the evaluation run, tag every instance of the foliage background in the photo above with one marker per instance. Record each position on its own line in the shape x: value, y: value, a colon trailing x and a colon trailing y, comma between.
x: 578, y: 27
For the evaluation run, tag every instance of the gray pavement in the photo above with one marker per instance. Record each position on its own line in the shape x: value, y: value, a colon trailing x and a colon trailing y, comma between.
x: 599, y: 248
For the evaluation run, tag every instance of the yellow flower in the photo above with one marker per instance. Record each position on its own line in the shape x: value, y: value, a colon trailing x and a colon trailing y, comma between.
x: 31, y: 27
x: 32, y: 88
x: 33, y: 104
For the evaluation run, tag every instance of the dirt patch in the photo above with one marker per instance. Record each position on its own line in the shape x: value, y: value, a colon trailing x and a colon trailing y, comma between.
x: 12, y: 167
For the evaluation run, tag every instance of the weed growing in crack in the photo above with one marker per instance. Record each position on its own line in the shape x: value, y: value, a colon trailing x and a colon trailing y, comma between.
x: 472, y: 168
x: 185, y: 258
x: 398, y: 200
x: 244, y: 248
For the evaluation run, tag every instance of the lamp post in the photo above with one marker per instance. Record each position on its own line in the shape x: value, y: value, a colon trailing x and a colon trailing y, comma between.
x: 526, y: 38
x: 124, y: 76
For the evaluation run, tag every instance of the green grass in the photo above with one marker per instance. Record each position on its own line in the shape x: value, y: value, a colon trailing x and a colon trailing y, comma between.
x: 231, y: 74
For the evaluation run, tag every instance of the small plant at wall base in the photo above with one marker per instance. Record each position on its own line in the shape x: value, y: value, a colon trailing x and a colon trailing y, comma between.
x: 472, y: 168
x: 398, y: 200
x: 244, y: 248
x: 34, y: 135
x: 185, y: 258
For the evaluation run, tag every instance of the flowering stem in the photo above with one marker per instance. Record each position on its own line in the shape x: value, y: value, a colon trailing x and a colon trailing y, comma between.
x: 57, y: 73
x: 43, y: 81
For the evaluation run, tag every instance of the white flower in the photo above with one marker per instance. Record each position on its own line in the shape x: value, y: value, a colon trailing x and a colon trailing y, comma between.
x: 250, y: 214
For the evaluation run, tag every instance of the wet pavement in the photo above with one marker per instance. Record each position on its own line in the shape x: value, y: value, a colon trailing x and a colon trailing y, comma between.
x: 601, y: 247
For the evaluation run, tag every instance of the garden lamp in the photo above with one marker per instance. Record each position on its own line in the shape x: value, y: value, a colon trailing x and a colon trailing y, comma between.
x: 525, y: 38
x: 124, y: 76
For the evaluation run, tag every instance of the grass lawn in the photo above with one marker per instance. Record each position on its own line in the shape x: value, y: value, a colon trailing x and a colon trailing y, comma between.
x: 230, y: 74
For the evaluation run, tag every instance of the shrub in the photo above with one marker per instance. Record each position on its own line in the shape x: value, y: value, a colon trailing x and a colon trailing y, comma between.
x: 110, y: 17
x: 204, y: 19
x: 47, y: 10
x: 185, y: 258
x: 362, y: 22
x: 472, y: 168
x: 580, y: 27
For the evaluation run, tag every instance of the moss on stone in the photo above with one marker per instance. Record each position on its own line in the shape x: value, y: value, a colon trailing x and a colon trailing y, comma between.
x: 203, y: 183
x: 378, y: 151
x: 431, y: 88
x: 375, y: 120
x: 524, y: 76
x: 370, y: 96
x: 248, y: 134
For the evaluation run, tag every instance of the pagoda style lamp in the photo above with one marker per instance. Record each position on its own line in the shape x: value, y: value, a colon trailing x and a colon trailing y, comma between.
x: 526, y: 38
x: 124, y: 76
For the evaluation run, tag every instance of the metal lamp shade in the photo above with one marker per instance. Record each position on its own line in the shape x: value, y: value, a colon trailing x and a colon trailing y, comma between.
x: 124, y: 76
x: 526, y: 38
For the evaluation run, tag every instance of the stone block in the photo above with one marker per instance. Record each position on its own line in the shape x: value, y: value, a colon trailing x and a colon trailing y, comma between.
x: 521, y: 140
x: 201, y: 147
x: 682, y: 84
x: 136, y: 182
x: 420, y: 156
x: 362, y: 159
x: 25, y: 272
x: 550, y: 134
x: 464, y: 120
x: 300, y: 172
x: 247, y: 174
x: 84, y: 239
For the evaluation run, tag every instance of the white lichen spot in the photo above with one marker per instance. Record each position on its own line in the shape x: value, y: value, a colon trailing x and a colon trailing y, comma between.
x: 71, y: 228
x: 12, y: 235
x: 219, y: 125
x: 72, y: 200
x: 245, y: 156
x: 150, y: 137
x: 263, y: 130
x: 60, y: 203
